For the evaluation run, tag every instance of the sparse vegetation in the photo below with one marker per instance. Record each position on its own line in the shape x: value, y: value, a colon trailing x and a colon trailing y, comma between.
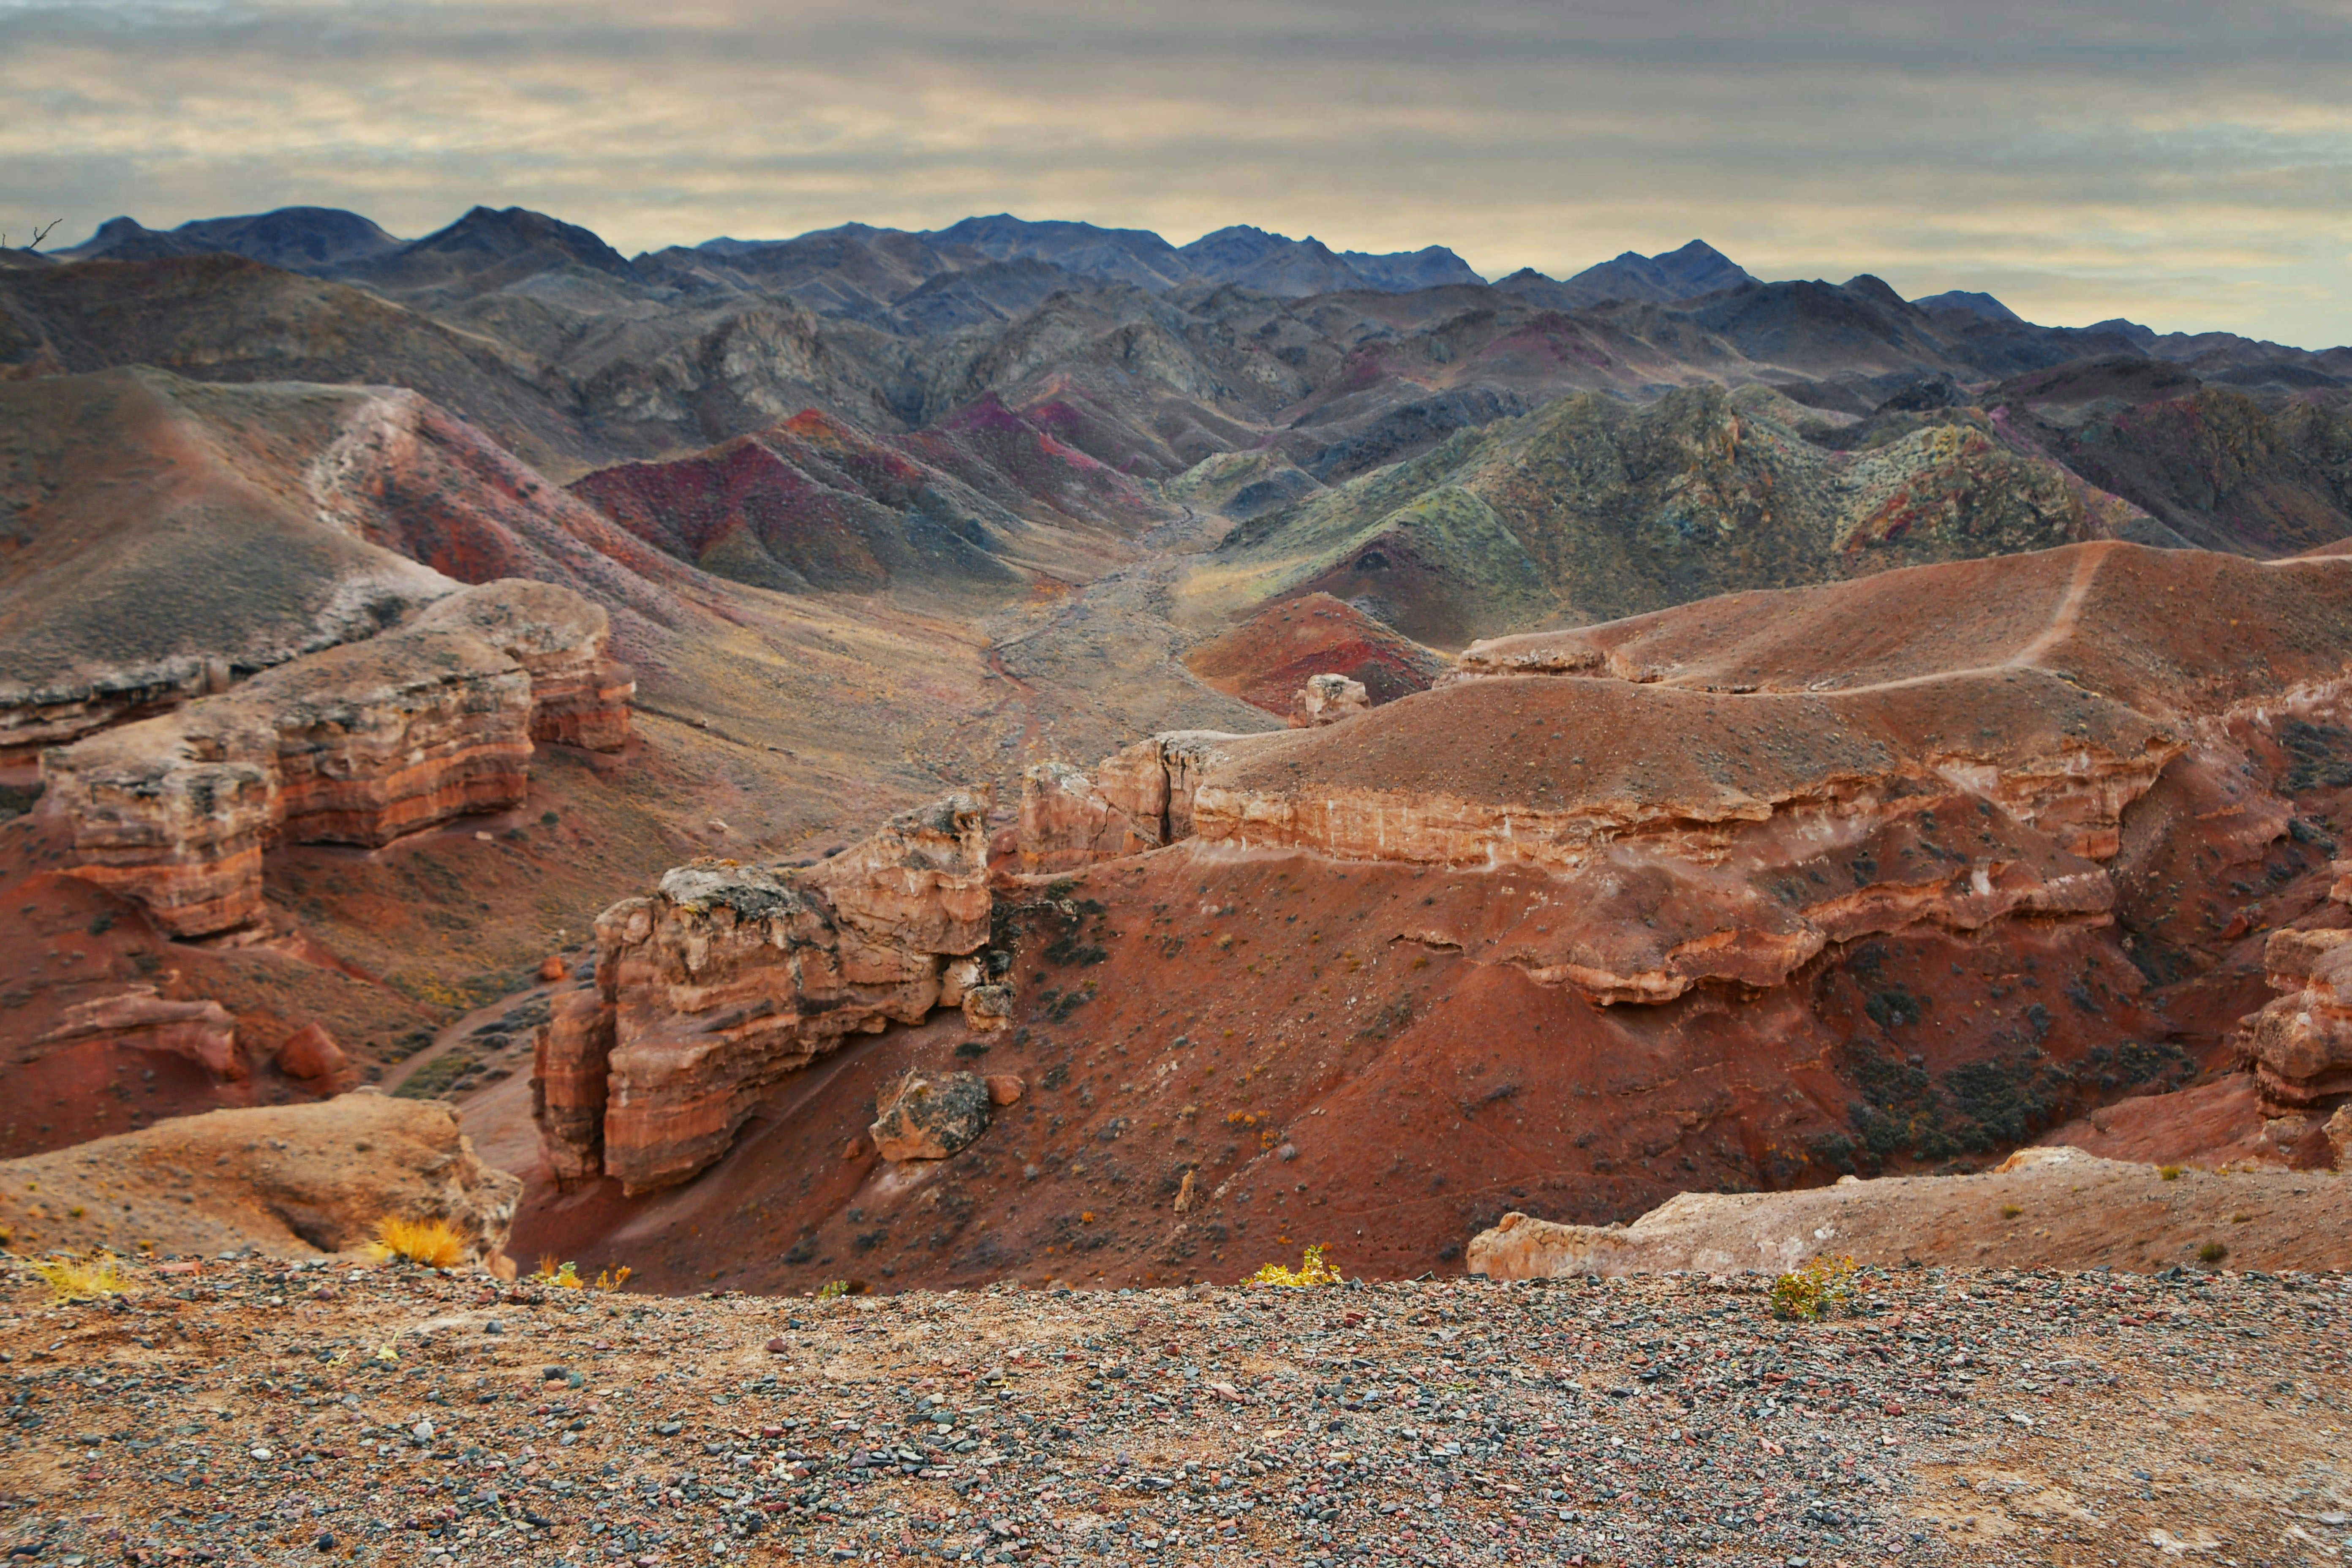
x: 567, y: 1276
x: 2212, y: 1253
x: 81, y: 1279
x: 1313, y: 1270
x: 833, y: 1289
x: 2170, y: 1173
x: 2009, y: 1211
x: 431, y: 1243
x: 1808, y: 1294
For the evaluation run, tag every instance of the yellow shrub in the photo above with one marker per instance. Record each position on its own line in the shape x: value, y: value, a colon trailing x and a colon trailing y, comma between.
x: 567, y: 1276
x: 1814, y: 1291
x: 72, y: 1280
x: 429, y: 1242
x: 1312, y: 1271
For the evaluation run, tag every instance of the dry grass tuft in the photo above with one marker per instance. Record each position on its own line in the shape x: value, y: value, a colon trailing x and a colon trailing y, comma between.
x: 1312, y: 1271
x: 80, y: 1279
x: 429, y: 1242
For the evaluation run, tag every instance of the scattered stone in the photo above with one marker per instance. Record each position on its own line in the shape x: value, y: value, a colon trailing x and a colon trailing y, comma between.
x: 931, y: 1119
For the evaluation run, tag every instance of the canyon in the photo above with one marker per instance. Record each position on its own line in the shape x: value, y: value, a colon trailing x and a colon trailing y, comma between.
x: 1025, y: 748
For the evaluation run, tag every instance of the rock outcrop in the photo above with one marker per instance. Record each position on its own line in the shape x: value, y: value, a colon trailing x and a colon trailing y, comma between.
x: 1066, y: 822
x: 355, y: 745
x: 202, y: 1031
x: 2043, y: 1208
x: 728, y: 978
x: 290, y: 1181
x: 2300, y: 1045
x: 1326, y: 699
x: 932, y: 1118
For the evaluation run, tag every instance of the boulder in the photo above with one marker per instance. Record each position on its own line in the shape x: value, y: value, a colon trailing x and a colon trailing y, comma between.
x: 932, y: 1118
x: 1326, y: 699
x: 1005, y: 1089
x: 311, y: 1053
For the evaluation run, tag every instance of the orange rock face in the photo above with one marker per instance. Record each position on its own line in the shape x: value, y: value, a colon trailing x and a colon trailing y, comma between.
x: 728, y: 978
x: 202, y: 1032
x: 310, y: 1052
x: 2300, y: 1045
x: 355, y: 745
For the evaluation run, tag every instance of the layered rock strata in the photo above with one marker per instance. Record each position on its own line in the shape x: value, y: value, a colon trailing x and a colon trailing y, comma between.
x: 355, y: 745
x: 202, y: 1032
x: 1775, y: 827
x: 2300, y: 1045
x: 728, y: 978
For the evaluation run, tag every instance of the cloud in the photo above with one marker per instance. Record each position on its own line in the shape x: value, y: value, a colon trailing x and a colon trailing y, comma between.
x: 2187, y: 165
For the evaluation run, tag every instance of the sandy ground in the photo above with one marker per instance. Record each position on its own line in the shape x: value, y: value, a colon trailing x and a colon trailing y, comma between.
x: 254, y: 1412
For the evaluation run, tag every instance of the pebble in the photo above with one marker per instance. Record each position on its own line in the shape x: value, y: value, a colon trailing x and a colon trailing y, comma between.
x: 1960, y: 1418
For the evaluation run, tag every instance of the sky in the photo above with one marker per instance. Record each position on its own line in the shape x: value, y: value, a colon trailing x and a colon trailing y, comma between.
x: 2185, y: 166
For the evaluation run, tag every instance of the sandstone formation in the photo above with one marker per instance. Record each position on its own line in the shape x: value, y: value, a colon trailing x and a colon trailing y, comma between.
x: 2300, y: 1045
x: 355, y: 745
x: 1066, y: 822
x: 2045, y: 1208
x: 287, y: 1181
x: 932, y: 1118
x: 1326, y: 699
x: 202, y: 1032
x: 730, y: 978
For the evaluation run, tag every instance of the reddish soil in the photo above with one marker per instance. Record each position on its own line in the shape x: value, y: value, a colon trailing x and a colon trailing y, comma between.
x: 1267, y: 658
x: 1241, y: 1008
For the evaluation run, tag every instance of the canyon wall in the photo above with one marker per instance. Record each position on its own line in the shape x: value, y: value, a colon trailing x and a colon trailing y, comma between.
x: 359, y: 744
x: 727, y: 978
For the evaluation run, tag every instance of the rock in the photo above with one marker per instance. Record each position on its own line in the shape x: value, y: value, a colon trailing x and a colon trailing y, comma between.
x: 2339, y: 1137
x: 2300, y: 1045
x: 932, y: 1118
x: 359, y: 744
x: 1326, y: 699
x: 1065, y: 822
x: 568, y: 1083
x: 1005, y: 1089
x: 988, y: 1008
x: 287, y: 1181
x: 553, y: 969
x: 2043, y: 1208
x: 728, y: 978
x: 140, y: 1017
x: 310, y: 1052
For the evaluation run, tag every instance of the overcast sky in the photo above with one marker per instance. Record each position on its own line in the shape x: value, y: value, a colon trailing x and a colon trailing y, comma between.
x: 2186, y: 165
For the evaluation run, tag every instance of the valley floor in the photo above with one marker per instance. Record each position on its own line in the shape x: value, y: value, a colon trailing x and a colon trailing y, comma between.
x: 249, y: 1412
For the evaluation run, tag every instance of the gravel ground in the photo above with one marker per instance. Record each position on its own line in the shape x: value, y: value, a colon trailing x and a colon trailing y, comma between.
x: 255, y: 1410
